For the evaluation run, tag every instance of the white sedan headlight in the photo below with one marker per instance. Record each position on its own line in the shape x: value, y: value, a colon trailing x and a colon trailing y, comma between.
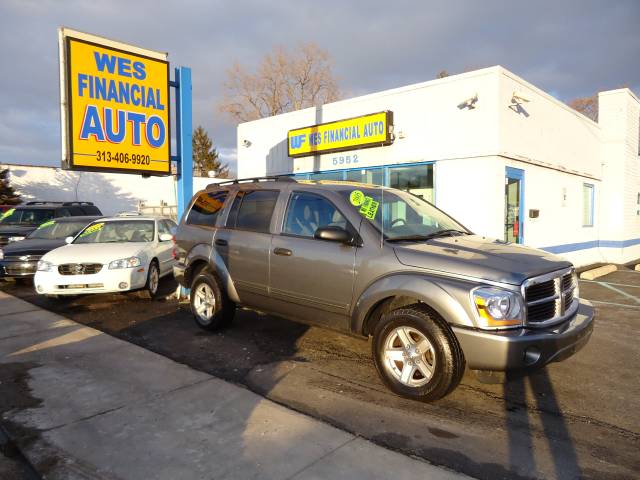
x: 498, y: 308
x: 125, y: 263
x: 15, y: 239
x: 44, y: 266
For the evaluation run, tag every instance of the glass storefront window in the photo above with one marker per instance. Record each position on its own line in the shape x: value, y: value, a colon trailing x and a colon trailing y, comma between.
x: 327, y: 176
x: 417, y: 179
x: 373, y: 176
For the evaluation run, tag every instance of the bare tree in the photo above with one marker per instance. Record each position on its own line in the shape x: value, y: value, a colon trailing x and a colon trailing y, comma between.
x: 284, y: 81
x: 588, y: 106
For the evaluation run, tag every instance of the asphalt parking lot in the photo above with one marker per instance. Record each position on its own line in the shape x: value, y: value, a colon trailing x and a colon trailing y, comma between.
x: 575, y: 419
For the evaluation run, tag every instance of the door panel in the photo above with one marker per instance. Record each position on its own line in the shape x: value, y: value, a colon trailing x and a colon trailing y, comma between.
x: 312, y: 279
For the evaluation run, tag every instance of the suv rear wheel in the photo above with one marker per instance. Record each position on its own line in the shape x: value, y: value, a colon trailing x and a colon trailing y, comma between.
x: 416, y: 354
x: 211, y: 307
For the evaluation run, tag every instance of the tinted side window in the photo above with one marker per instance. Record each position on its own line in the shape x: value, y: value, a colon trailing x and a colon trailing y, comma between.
x: 206, y: 208
x: 76, y: 211
x: 307, y: 212
x: 252, y: 210
x: 63, y: 212
x: 89, y: 210
x: 171, y: 226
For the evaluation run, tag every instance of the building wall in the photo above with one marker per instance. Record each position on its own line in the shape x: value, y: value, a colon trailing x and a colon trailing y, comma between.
x: 111, y: 192
x: 420, y: 135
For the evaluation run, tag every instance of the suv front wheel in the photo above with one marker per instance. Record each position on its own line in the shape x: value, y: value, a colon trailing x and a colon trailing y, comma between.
x: 416, y: 354
x: 211, y: 307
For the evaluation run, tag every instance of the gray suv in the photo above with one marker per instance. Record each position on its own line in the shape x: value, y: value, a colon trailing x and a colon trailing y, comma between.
x: 382, y: 263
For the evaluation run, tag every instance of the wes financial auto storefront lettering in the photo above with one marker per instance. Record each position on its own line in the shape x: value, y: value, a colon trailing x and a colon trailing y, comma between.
x: 373, y: 130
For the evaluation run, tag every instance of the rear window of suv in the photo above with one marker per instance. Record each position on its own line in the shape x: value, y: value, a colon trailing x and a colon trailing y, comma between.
x: 206, y: 208
x: 252, y: 210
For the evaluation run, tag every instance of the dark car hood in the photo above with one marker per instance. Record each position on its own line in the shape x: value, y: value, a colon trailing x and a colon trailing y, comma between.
x: 16, y: 230
x: 480, y: 257
x: 32, y: 246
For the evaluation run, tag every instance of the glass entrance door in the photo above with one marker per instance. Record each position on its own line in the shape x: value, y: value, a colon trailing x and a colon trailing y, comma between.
x: 513, y: 205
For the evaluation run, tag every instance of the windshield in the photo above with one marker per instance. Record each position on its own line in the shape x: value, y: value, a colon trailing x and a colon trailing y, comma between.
x: 118, y: 231
x: 26, y: 216
x: 53, y: 230
x: 405, y: 215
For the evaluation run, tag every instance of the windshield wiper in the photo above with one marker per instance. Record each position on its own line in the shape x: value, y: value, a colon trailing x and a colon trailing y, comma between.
x: 441, y: 233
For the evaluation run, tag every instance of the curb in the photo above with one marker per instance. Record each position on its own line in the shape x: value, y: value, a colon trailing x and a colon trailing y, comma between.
x: 598, y: 272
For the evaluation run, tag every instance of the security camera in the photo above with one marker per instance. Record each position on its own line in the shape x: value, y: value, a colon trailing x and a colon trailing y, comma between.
x: 518, y: 97
x: 246, y: 143
x: 469, y: 103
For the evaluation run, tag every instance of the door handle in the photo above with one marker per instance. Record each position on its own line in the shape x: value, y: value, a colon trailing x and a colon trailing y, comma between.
x: 221, y: 242
x: 283, y: 251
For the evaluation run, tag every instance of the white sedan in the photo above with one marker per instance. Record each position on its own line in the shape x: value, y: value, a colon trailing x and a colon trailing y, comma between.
x: 114, y: 254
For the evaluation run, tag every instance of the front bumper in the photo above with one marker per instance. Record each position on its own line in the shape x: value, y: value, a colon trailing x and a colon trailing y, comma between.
x: 18, y: 268
x: 105, y: 281
x: 526, y: 348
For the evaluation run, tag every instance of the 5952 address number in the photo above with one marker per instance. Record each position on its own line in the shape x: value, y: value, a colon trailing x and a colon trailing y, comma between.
x: 133, y: 159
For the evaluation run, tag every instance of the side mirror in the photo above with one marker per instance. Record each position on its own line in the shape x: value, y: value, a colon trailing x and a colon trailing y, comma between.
x: 333, y: 234
x: 165, y: 237
x: 68, y: 240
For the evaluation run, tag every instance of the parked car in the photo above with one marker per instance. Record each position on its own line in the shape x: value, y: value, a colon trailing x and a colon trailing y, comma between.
x: 379, y: 262
x: 19, y: 221
x: 19, y: 259
x: 114, y: 254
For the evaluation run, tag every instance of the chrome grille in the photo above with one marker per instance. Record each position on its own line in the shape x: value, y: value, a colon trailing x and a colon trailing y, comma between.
x: 79, y: 268
x: 549, y: 298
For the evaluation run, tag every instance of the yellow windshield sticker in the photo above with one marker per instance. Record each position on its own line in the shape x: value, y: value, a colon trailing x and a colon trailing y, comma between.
x: 369, y: 208
x: 92, y: 229
x: 47, y: 224
x: 7, y: 213
x: 356, y: 198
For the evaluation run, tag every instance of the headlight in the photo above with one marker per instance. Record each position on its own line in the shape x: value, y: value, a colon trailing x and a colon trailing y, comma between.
x: 44, y: 266
x: 15, y: 239
x: 497, y: 307
x: 125, y: 263
x: 1, y: 254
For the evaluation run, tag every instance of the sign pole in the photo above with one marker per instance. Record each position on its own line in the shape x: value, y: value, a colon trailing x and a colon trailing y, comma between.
x: 184, y: 127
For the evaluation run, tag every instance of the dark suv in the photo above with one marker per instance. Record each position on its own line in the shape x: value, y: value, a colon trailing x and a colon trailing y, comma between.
x: 19, y: 221
x: 379, y: 262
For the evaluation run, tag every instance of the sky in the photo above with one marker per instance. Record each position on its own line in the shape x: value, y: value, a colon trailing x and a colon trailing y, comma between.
x: 569, y: 48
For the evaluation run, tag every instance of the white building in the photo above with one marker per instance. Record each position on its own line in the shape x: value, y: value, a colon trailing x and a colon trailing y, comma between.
x: 503, y: 157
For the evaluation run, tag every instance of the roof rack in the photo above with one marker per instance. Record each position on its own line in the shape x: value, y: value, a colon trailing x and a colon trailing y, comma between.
x: 65, y: 204
x: 274, y: 178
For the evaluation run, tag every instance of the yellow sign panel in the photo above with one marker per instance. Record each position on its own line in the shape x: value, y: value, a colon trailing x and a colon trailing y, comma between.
x: 116, y: 107
x: 372, y: 130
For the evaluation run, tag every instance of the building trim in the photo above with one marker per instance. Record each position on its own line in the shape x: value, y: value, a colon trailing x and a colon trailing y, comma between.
x: 572, y: 247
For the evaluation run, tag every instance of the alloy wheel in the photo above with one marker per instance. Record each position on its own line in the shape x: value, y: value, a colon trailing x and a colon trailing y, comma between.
x: 409, y: 356
x: 204, y: 302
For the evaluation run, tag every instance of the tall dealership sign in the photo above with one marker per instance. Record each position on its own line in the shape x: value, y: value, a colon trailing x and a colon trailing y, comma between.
x: 114, y: 106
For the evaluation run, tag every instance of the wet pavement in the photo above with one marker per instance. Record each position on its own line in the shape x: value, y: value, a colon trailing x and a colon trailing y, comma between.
x: 575, y: 419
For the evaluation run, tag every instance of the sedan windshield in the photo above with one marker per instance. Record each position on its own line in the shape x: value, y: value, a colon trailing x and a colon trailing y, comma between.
x: 26, y: 216
x: 118, y: 231
x: 53, y: 230
x: 406, y: 217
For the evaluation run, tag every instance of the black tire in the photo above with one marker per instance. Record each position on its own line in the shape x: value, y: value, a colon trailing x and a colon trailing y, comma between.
x: 150, y: 290
x: 445, y: 356
x: 223, y: 309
